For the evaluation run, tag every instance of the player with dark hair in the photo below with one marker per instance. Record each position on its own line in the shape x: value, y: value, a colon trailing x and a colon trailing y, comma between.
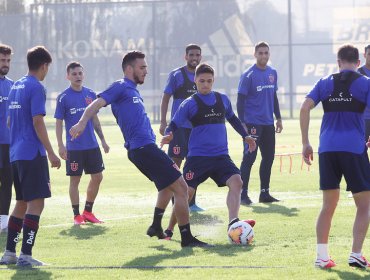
x: 208, y: 155
x: 181, y: 85
x: 256, y: 105
x: 29, y: 143
x: 6, y: 178
x: 128, y: 109
x: 82, y: 154
x: 342, y: 150
x: 365, y: 70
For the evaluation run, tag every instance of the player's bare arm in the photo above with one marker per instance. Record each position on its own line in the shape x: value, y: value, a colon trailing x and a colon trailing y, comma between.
x: 99, y: 132
x: 164, y: 108
x: 59, y: 133
x: 89, y: 112
x: 42, y: 134
x: 304, y: 117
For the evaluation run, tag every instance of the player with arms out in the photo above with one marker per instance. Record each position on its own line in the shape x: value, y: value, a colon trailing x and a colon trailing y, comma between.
x: 342, y: 150
x: 6, y: 178
x: 181, y: 85
x: 208, y: 155
x: 82, y: 154
x: 29, y: 144
x: 129, y: 111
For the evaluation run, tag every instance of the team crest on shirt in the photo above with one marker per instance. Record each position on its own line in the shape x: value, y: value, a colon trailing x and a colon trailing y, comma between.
x: 253, y: 130
x: 271, y: 79
x: 88, y: 100
x: 74, y: 166
x: 176, y: 150
x: 189, y: 175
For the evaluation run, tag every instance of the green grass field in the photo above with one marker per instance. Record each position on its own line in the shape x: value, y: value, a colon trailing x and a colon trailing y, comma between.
x: 284, y: 245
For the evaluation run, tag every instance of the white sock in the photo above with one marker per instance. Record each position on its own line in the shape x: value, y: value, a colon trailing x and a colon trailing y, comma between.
x: 357, y: 255
x: 4, y: 221
x: 322, y: 251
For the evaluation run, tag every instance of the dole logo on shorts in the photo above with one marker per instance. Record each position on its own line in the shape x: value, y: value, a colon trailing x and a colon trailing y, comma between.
x: 176, y: 150
x: 189, y: 175
x: 88, y: 100
x: 74, y: 166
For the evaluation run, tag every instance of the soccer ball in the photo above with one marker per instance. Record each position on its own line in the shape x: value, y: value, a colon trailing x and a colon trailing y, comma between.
x: 240, y: 233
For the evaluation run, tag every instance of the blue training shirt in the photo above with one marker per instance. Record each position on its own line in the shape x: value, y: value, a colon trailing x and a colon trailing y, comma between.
x: 174, y: 81
x: 367, y: 111
x: 129, y: 111
x: 26, y: 100
x: 342, y: 131
x: 205, y: 140
x: 258, y: 86
x: 5, y: 85
x: 71, y: 105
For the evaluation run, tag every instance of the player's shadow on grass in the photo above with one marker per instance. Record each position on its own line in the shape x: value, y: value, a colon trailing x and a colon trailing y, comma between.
x: 198, y: 218
x: 30, y: 273
x: 274, y: 208
x: 151, y: 261
x: 84, y: 232
x: 352, y: 275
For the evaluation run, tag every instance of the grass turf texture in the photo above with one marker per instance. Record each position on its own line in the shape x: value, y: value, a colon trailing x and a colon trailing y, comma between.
x: 283, y: 248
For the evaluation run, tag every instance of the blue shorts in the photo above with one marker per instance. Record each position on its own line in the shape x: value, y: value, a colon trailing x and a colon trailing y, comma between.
x: 4, y: 155
x: 155, y: 165
x: 31, y: 178
x: 178, y: 147
x: 90, y: 161
x: 354, y: 167
x: 218, y: 168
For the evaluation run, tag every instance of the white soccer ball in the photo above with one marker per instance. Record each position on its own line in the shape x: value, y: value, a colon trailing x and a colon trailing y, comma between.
x: 240, y: 233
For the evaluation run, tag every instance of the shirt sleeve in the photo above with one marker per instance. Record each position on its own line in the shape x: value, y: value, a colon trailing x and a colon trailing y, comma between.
x: 228, y: 107
x: 111, y: 94
x: 170, y: 85
x: 314, y: 94
x: 244, y: 84
x: 183, y: 112
x: 60, y: 110
x: 38, y: 99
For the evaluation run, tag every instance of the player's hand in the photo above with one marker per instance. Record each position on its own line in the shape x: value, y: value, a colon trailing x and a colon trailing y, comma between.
x: 62, y: 152
x: 251, y: 143
x: 77, y: 130
x: 162, y: 128
x: 166, y: 139
x: 279, y: 126
x: 105, y: 146
x: 307, y: 154
x: 54, y: 160
x: 368, y: 142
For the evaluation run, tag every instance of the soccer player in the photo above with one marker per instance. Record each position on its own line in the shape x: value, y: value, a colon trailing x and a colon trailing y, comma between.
x: 256, y: 104
x: 29, y: 143
x: 181, y: 85
x: 342, y: 150
x: 208, y: 155
x: 6, y: 178
x: 82, y: 154
x: 365, y: 70
x: 128, y: 109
